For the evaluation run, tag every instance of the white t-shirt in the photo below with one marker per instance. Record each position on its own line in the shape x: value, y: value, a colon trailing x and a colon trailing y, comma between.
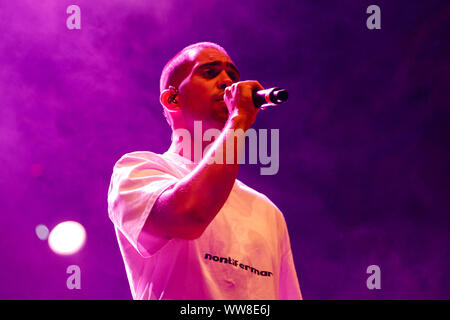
x: 244, y: 253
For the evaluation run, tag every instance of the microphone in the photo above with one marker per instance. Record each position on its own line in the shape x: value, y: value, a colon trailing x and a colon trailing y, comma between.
x: 269, y: 97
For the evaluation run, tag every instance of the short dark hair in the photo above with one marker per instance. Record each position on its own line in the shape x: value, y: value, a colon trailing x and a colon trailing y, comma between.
x: 174, y: 68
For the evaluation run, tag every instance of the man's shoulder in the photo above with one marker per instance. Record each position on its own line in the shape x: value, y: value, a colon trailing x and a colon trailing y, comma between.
x: 257, y: 194
x: 134, y: 158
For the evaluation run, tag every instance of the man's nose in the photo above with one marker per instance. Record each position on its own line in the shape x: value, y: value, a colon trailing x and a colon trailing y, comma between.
x: 225, y: 81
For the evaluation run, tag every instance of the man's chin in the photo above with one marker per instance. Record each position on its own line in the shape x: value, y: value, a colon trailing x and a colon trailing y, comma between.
x: 220, y: 112
x: 221, y: 115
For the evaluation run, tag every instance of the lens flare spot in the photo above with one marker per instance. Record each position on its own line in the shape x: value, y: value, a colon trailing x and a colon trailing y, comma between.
x: 67, y: 237
x: 42, y: 232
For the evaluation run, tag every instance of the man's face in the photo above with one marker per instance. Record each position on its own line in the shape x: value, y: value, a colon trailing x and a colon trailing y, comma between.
x: 201, y: 92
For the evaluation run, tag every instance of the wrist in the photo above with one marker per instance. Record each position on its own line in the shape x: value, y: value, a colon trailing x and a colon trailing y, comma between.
x: 239, y: 121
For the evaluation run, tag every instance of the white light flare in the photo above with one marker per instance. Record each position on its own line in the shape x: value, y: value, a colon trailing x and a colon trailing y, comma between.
x: 67, y: 238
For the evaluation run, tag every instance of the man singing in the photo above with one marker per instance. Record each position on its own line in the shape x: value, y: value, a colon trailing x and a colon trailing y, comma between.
x: 186, y: 227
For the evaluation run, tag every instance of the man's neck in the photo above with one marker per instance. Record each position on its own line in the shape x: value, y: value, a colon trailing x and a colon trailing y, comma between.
x: 192, y: 144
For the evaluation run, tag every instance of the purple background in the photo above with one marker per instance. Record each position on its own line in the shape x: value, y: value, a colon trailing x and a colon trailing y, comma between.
x: 364, y: 138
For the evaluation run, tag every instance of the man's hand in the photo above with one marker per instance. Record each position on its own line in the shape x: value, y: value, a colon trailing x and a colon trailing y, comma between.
x: 239, y: 101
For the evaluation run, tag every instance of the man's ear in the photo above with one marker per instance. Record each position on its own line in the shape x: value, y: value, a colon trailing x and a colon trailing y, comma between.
x: 169, y: 104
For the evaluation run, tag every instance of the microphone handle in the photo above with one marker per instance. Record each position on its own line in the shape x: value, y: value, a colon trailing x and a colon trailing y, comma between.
x: 269, y: 97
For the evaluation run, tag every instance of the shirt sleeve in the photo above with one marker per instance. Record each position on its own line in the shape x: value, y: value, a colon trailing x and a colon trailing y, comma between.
x: 289, y: 288
x: 136, y: 183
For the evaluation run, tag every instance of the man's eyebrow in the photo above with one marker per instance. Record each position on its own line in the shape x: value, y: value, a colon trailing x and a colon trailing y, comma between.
x: 218, y: 63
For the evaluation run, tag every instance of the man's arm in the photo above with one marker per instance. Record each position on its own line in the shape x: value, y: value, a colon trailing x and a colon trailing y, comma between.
x: 188, y: 207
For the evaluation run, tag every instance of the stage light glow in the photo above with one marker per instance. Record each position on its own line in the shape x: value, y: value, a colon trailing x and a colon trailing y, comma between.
x: 67, y: 237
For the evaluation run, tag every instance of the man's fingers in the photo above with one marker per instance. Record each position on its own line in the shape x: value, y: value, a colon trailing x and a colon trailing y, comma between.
x: 256, y: 85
